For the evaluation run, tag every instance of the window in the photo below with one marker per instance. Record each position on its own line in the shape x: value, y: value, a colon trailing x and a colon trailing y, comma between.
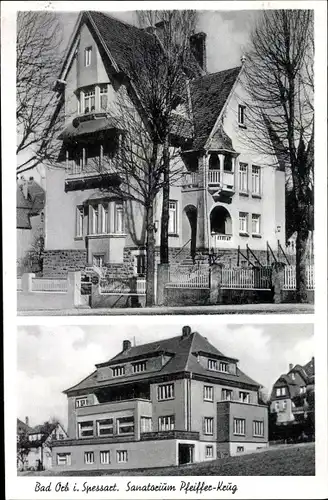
x: 165, y: 392
x: 277, y: 406
x: 98, y: 260
x: 258, y: 428
x: 118, y: 371
x: 244, y: 397
x: 281, y: 391
x: 302, y: 389
x: 212, y: 364
x: 146, y: 424
x: 89, y: 100
x: 103, y: 97
x: 82, y: 401
x: 119, y: 219
x: 105, y: 427
x: 166, y: 423
x: 139, y: 367
x: 226, y: 395
x: 256, y: 171
x: 105, y: 457
x: 125, y: 425
x: 89, y: 457
x: 284, y: 405
x: 87, y: 56
x: 223, y: 367
x: 85, y: 429
x: 240, y: 449
x: 63, y: 459
x: 104, y: 218
x: 208, y: 393
x: 93, y: 219
x: 239, y: 426
x: 292, y: 375
x: 241, y: 115
x: 140, y: 264
x: 79, y: 222
x: 173, y: 220
x: 243, y: 177
x: 243, y: 222
x: 208, y: 425
x: 209, y: 452
x: 256, y: 224
x: 121, y: 456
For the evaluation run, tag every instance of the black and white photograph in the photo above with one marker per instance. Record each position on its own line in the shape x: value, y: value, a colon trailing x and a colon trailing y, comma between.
x: 165, y: 162
x: 166, y: 400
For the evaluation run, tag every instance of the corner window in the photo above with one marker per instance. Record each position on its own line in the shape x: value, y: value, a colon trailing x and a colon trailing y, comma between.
x: 256, y: 180
x: 208, y: 393
x: 105, y: 457
x: 244, y: 397
x: 226, y: 395
x: 173, y: 217
x: 243, y: 222
x: 89, y: 457
x: 121, y: 456
x: 85, y: 429
x: 87, y: 56
x: 166, y: 423
x: 256, y: 224
x: 258, y: 428
x: 208, y: 425
x: 165, y: 392
x: 242, y: 115
x: 239, y: 426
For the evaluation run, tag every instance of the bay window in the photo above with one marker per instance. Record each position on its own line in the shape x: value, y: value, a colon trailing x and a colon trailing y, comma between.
x: 119, y: 218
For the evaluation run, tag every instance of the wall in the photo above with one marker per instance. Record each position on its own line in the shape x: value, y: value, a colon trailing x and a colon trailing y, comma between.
x: 228, y: 410
x: 174, y: 296
x: 174, y: 406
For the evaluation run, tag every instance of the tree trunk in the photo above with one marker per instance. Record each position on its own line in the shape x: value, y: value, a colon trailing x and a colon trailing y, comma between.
x: 150, y: 256
x: 164, y: 244
x: 301, y: 263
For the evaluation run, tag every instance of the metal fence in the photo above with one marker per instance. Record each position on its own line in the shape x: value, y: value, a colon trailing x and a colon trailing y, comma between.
x: 185, y: 276
x: 49, y: 285
x: 290, y: 277
x: 246, y: 278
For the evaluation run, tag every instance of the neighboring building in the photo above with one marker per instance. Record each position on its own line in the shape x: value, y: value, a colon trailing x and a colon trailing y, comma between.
x: 30, y: 202
x: 230, y: 195
x: 169, y: 402
x: 292, y: 396
x: 36, y: 441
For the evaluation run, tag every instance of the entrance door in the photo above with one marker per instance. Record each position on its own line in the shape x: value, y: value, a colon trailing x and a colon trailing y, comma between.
x: 186, y: 453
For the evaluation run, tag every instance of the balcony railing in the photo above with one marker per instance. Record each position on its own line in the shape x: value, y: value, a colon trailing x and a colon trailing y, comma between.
x: 75, y: 170
x: 191, y: 179
x: 150, y: 436
x: 225, y: 181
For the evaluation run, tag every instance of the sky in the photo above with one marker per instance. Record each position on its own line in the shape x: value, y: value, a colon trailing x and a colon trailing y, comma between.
x: 52, y: 359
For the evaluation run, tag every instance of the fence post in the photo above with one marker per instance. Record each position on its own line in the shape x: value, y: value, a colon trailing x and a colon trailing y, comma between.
x: 215, y: 282
x: 26, y: 282
x: 278, y: 272
x: 162, y: 280
x: 74, y: 287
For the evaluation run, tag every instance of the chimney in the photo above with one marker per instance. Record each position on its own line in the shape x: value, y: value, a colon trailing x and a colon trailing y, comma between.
x: 26, y: 421
x: 198, y: 48
x: 186, y: 331
x: 126, y: 345
x: 290, y: 366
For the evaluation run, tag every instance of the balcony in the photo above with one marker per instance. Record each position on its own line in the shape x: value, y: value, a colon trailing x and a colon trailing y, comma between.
x: 115, y: 406
x: 190, y: 180
x: 150, y: 436
x: 219, y: 241
x: 221, y: 184
x: 92, y: 176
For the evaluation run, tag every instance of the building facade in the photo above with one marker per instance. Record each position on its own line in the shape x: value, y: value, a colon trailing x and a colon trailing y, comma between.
x: 292, y: 397
x: 227, y: 195
x: 170, y: 402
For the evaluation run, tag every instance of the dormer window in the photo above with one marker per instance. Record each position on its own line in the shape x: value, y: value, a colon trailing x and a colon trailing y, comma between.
x: 223, y: 367
x: 87, y: 56
x: 281, y: 391
x: 80, y: 402
x: 242, y: 115
x: 118, y: 371
x: 293, y: 376
x: 139, y: 367
x: 212, y: 364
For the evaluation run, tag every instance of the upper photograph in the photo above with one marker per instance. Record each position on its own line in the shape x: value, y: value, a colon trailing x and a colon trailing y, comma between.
x: 165, y: 162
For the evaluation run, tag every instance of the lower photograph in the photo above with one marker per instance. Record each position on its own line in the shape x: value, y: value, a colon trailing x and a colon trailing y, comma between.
x: 167, y: 398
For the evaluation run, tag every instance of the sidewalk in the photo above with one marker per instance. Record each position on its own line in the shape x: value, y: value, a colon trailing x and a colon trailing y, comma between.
x: 216, y: 309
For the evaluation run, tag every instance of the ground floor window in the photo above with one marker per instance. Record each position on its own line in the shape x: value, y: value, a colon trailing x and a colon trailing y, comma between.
x: 209, y: 452
x: 98, y: 260
x: 243, y: 222
x: 208, y: 425
x: 239, y: 426
x: 166, y: 423
x: 256, y: 223
x: 89, y: 457
x: 121, y: 456
x: 105, y: 457
x: 63, y: 459
x: 258, y: 428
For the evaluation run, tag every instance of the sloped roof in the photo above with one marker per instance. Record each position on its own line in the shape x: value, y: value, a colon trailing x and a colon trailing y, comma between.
x: 309, y: 368
x: 221, y: 141
x: 306, y: 372
x: 208, y: 95
x: 22, y: 426
x: 29, y: 204
x: 184, y: 359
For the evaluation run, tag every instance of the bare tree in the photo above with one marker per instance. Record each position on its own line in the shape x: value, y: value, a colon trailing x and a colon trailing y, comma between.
x: 279, y: 79
x: 162, y: 85
x: 38, y: 58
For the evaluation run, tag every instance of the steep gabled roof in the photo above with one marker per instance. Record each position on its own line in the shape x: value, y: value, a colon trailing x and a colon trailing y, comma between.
x: 28, y: 205
x: 23, y: 427
x: 208, y: 96
x: 306, y: 372
x: 183, y: 351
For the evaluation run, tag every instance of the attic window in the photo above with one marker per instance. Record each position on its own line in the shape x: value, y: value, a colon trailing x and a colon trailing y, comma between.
x: 242, y: 115
x: 139, y: 367
x: 281, y: 391
x: 118, y: 371
x: 87, y: 56
x: 79, y: 402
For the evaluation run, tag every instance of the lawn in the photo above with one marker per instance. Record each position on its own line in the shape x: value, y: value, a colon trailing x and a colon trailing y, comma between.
x: 292, y: 460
